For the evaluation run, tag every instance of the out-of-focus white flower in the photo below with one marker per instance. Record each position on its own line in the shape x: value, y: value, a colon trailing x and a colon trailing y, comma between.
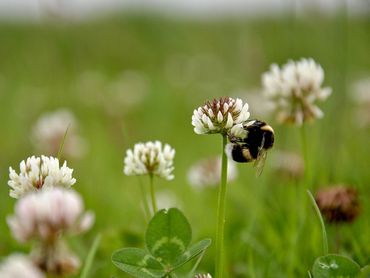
x: 360, y: 94
x: 38, y: 173
x: 150, y: 158
x: 203, y: 276
x: 45, y: 215
x: 258, y: 106
x: 167, y: 199
x: 19, y: 266
x: 288, y: 164
x: 207, y: 172
x: 219, y: 116
x: 294, y: 89
x: 125, y: 92
x: 56, y: 259
x: 116, y: 95
x: 49, y: 130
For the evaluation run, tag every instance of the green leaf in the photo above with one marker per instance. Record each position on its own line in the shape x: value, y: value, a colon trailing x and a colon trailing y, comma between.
x: 335, y: 266
x: 192, y: 252
x: 138, y: 263
x: 168, y: 235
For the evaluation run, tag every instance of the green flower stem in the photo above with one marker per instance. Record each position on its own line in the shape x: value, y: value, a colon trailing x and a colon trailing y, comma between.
x: 154, y: 203
x: 221, y: 208
x: 145, y: 200
x: 305, y: 154
x: 323, y: 230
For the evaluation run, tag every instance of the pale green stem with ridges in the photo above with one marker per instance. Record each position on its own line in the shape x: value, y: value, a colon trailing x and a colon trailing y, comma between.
x: 145, y: 200
x: 221, y: 208
x: 323, y: 230
x: 152, y: 193
x: 305, y: 154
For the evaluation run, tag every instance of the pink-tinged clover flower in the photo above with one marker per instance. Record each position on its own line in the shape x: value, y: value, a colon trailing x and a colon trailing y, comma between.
x: 219, y: 115
x: 46, y: 215
x: 19, y: 266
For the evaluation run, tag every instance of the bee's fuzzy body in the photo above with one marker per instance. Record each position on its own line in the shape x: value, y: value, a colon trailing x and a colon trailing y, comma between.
x: 259, y: 136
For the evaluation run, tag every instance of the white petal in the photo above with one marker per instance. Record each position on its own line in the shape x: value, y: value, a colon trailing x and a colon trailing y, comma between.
x: 230, y: 121
x: 220, y: 118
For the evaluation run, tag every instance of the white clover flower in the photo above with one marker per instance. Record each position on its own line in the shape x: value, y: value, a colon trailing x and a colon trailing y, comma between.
x: 45, y: 215
x: 258, y: 106
x: 207, y: 172
x: 49, y: 130
x: 38, y: 173
x: 294, y: 89
x: 19, y: 266
x: 288, y: 164
x: 360, y: 94
x: 56, y: 259
x: 167, y: 199
x: 219, y: 116
x: 203, y: 276
x: 150, y: 158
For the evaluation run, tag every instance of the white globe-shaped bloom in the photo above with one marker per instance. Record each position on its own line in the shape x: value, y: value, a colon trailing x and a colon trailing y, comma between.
x: 19, y: 266
x: 294, y: 89
x: 360, y: 94
x: 219, y: 116
x: 203, y: 276
x: 38, y: 173
x: 207, y: 172
x: 47, y: 214
x: 287, y: 163
x: 49, y: 130
x: 150, y: 158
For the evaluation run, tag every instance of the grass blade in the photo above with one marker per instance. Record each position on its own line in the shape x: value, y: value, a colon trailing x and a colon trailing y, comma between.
x: 323, y: 230
x: 62, y: 144
x: 90, y: 257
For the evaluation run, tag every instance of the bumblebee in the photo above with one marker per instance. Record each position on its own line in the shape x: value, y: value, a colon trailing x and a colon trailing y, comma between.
x: 253, y: 146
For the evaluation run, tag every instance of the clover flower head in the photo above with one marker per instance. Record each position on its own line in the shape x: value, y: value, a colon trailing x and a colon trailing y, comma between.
x: 206, y: 172
x: 56, y: 259
x: 45, y: 215
x: 294, y: 89
x: 167, y: 199
x: 49, y: 130
x: 203, y: 276
x: 219, y: 115
x: 338, y: 203
x: 19, y: 266
x: 288, y: 164
x: 150, y: 158
x: 360, y: 94
x: 38, y: 173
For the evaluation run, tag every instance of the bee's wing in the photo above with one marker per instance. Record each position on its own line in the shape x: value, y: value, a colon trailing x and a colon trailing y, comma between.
x: 261, y: 158
x: 259, y: 163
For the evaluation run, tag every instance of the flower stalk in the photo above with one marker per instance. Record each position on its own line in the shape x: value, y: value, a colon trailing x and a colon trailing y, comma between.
x: 152, y: 193
x: 221, y: 209
x: 145, y: 200
x: 305, y: 154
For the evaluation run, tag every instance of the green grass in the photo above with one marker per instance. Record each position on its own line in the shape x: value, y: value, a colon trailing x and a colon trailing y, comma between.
x: 271, y: 229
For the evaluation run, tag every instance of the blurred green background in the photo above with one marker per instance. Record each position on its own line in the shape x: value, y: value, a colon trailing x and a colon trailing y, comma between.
x: 272, y: 230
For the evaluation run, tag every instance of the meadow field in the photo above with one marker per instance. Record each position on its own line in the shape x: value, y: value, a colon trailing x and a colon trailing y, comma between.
x: 135, y: 78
